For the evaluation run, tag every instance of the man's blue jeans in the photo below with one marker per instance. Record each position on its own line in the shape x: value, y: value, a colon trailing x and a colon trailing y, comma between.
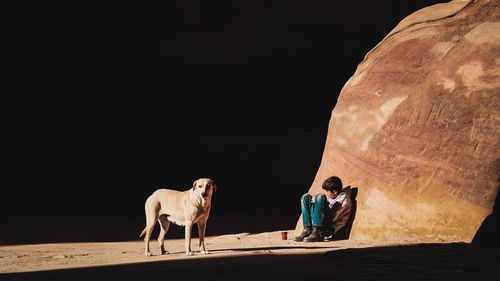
x: 317, y: 214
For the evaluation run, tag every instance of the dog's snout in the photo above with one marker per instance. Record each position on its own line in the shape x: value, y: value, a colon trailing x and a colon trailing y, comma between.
x: 204, y: 194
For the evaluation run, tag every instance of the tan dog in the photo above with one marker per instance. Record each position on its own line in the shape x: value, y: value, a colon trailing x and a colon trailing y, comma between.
x: 182, y: 208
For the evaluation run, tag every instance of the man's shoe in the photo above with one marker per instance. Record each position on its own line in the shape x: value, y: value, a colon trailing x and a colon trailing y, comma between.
x: 316, y: 236
x: 306, y: 232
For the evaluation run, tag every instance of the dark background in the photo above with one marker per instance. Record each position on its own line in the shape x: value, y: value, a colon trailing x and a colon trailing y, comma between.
x: 112, y: 101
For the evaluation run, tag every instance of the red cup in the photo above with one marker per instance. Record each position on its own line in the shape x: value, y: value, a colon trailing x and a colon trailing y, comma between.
x: 283, y: 235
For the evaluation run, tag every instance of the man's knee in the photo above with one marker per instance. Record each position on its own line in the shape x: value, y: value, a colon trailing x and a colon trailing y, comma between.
x: 306, y: 197
x: 305, y: 201
x: 320, y: 198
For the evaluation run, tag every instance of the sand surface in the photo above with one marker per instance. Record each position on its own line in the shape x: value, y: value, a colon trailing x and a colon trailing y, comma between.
x: 244, y: 256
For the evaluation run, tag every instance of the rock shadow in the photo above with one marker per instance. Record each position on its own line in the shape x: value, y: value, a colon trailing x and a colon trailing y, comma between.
x: 488, y: 234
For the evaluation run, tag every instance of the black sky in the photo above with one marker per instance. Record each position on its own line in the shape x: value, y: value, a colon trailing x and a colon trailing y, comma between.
x: 112, y: 101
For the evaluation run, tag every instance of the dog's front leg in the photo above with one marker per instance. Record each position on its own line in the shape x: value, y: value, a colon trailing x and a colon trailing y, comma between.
x: 201, y: 230
x: 189, y: 226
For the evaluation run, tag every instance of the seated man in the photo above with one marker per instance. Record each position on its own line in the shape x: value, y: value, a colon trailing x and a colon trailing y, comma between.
x: 325, y: 214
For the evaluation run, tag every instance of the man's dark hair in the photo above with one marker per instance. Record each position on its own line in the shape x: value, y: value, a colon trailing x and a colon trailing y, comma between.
x: 332, y: 183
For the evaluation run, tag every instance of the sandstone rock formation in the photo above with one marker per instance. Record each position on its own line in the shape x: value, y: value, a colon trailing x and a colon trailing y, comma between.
x: 417, y: 127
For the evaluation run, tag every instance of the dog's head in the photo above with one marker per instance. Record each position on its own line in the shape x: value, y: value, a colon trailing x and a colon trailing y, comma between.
x: 205, y: 187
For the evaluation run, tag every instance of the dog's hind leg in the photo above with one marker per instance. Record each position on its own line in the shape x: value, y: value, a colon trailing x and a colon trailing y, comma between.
x: 202, y: 225
x: 164, y: 225
x: 151, y: 217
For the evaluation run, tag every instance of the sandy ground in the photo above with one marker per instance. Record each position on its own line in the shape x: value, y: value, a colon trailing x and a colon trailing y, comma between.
x: 244, y: 256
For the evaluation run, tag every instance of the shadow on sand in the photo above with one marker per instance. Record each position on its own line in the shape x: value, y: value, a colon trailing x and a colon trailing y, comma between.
x: 269, y: 249
x: 456, y: 261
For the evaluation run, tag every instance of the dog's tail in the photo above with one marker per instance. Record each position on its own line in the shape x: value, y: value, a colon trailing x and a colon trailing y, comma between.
x: 143, y: 232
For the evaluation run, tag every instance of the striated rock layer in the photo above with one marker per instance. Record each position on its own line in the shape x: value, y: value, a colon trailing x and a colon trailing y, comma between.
x: 417, y: 127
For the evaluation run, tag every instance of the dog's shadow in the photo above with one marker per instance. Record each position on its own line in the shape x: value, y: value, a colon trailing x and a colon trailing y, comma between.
x: 260, y: 249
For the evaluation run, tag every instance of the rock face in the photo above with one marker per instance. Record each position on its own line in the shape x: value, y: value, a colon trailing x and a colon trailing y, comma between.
x: 417, y: 127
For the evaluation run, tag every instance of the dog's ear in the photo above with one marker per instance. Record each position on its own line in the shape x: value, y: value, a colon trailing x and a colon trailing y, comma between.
x: 194, y: 184
x: 214, y: 185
